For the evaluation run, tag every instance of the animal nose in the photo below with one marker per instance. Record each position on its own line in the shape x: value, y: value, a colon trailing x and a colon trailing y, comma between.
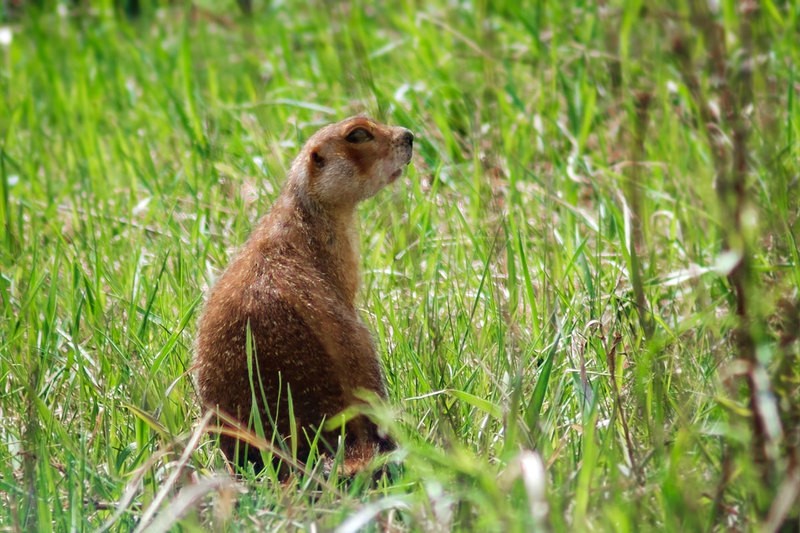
x: 408, y: 138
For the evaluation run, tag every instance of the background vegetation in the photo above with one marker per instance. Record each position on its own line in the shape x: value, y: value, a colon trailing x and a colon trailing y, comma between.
x: 585, y: 289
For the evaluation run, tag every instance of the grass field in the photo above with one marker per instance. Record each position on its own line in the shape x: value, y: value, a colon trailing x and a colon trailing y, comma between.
x: 591, y: 266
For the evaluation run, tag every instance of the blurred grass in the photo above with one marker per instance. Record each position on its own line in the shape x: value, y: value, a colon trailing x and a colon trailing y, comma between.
x: 498, y: 274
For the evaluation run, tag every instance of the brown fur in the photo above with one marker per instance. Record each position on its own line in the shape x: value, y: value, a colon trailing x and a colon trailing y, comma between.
x: 295, y: 283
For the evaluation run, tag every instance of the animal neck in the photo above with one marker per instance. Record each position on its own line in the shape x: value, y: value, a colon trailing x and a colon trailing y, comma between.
x: 330, y: 238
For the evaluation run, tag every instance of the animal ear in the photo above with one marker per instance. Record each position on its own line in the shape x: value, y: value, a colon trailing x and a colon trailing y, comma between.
x: 317, y: 159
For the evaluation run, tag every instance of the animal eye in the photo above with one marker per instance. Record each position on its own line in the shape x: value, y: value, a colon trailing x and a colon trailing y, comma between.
x: 359, y: 135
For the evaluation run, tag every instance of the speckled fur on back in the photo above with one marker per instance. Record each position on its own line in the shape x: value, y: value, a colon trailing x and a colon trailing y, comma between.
x: 294, y: 284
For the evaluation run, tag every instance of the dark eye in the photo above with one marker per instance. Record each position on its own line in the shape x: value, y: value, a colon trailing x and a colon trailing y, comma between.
x: 359, y: 135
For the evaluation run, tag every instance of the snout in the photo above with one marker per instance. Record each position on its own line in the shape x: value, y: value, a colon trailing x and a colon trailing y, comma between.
x: 407, y: 138
x: 405, y: 144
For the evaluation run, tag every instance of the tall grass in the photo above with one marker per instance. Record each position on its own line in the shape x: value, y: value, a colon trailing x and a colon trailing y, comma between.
x: 555, y: 286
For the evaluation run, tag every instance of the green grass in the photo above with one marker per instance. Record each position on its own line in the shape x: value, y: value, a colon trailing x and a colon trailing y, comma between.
x: 499, y: 275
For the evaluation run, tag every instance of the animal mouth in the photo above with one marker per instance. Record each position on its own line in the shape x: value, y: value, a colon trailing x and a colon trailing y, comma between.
x: 399, y: 172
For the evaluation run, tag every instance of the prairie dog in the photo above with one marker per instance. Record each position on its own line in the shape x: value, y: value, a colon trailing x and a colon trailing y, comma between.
x: 294, y: 284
